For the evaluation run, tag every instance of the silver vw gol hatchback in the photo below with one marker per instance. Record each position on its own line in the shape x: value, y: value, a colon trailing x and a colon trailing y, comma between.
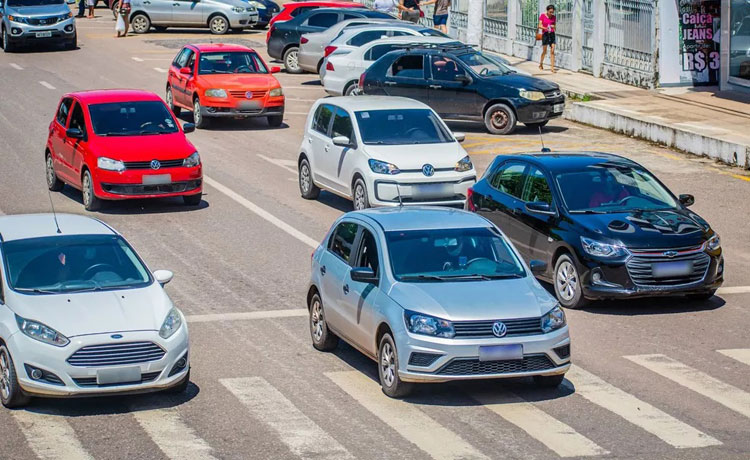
x: 434, y: 294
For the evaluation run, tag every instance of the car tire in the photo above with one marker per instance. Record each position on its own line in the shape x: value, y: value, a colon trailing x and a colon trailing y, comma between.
x: 8, y: 47
x: 350, y: 88
x: 198, y: 118
x: 90, y: 200
x: 549, y: 381
x: 322, y: 337
x: 180, y: 387
x: 537, y: 125
x: 291, y: 60
x: 702, y: 296
x: 500, y: 119
x: 170, y: 102
x: 307, y: 187
x: 11, y: 394
x: 192, y: 200
x: 275, y: 121
x: 140, y: 23
x: 72, y: 43
x: 390, y: 381
x: 360, y: 200
x: 567, y: 282
x: 218, y: 25
x: 53, y: 183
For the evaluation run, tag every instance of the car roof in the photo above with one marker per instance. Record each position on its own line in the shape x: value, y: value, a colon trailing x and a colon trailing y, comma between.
x: 23, y: 226
x: 360, y: 103
x: 420, y: 218
x: 570, y: 161
x: 99, y: 96
x: 208, y: 47
x: 295, y: 5
x: 388, y: 25
x: 412, y: 39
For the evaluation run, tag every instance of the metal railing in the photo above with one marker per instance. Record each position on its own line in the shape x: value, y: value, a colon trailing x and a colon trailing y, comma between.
x: 458, y: 19
x: 564, y: 26
x: 629, y: 34
x: 496, y: 18
x: 529, y: 19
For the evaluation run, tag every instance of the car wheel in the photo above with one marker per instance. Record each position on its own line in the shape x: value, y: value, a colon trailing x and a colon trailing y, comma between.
x: 275, y: 120
x: 192, y: 200
x: 72, y: 43
x: 322, y: 338
x: 567, y: 283
x: 500, y: 119
x: 549, y: 381
x: 390, y: 381
x: 170, y: 102
x: 291, y: 60
x: 703, y: 295
x: 7, y: 46
x: 90, y: 201
x: 11, y: 393
x: 537, y: 125
x: 307, y: 187
x: 359, y: 195
x: 115, y: 9
x: 140, y: 23
x: 53, y: 183
x: 180, y: 387
x: 198, y: 118
x: 219, y: 25
x: 350, y: 88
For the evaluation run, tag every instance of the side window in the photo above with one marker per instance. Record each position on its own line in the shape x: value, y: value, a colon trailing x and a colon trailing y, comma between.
x: 343, y: 239
x: 181, y: 59
x: 377, y: 51
x: 445, y: 69
x: 323, y: 119
x: 537, y: 187
x: 323, y: 20
x: 188, y: 60
x: 410, y: 66
x: 509, y: 179
x: 353, y: 16
x: 400, y: 33
x: 77, y: 120
x: 63, y: 110
x: 342, y: 124
x: 365, y: 37
x: 300, y: 10
x: 368, y: 252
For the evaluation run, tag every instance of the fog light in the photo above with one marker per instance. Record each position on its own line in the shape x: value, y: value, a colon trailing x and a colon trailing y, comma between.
x: 36, y: 374
x: 69, y: 28
x: 596, y: 277
x: 15, y: 31
x: 539, y: 114
x: 179, y: 366
x: 211, y: 109
x: 181, y: 363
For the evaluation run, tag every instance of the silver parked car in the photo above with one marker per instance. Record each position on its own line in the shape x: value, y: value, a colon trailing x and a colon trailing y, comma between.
x: 24, y: 22
x: 217, y: 15
x: 434, y: 294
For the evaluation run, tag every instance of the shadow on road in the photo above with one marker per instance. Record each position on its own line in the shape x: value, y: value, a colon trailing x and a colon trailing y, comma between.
x: 336, y: 202
x: 234, y: 124
x: 138, y: 206
x: 476, y: 127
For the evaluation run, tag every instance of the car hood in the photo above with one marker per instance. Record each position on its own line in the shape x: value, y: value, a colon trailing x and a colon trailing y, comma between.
x: 523, y: 82
x: 84, y: 313
x: 239, y: 81
x: 143, y: 148
x: 475, y: 300
x: 42, y: 10
x: 649, y: 229
x: 443, y: 155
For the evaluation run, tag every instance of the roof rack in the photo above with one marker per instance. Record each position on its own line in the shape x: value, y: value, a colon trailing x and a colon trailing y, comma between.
x: 436, y: 46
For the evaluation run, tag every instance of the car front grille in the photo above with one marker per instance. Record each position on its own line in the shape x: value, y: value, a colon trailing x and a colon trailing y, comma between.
x: 483, y: 329
x: 243, y: 94
x: 552, y: 94
x: 45, y: 21
x: 91, y: 381
x: 114, y: 354
x: 641, y: 264
x: 137, y: 189
x: 147, y: 164
x: 473, y: 366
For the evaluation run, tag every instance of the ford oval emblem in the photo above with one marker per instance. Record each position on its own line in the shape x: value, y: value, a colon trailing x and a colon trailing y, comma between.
x: 116, y: 336
x: 499, y: 329
x: 155, y: 164
x: 428, y: 170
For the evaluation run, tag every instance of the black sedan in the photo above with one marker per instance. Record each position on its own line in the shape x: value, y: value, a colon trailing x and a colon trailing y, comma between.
x: 606, y: 227
x: 284, y: 37
x: 461, y: 83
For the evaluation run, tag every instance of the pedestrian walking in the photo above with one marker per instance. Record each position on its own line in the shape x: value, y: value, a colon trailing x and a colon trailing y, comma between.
x: 409, y: 10
x: 440, y: 16
x: 546, y: 27
x: 91, y: 4
x: 81, y: 8
x: 124, y: 13
x: 386, y: 6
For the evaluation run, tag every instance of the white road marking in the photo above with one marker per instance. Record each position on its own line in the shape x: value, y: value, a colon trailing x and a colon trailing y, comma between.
x: 405, y: 418
x: 137, y: 59
x: 46, y: 85
x: 177, y: 440
x: 300, y: 434
x: 15, y: 66
x: 246, y: 315
x: 700, y: 382
x: 304, y: 87
x: 50, y: 436
x: 733, y: 290
x: 252, y: 207
x: 740, y: 354
x: 637, y: 412
x: 300, y: 100
x: 559, y: 437
x: 160, y: 70
x: 289, y: 165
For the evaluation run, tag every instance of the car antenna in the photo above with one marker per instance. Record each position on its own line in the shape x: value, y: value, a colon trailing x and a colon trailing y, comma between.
x: 544, y: 149
x: 398, y: 190
x: 54, y: 214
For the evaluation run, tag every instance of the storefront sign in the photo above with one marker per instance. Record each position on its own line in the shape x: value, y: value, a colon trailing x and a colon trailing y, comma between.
x: 699, y: 40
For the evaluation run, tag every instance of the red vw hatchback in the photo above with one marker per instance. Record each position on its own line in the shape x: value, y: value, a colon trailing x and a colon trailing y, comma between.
x: 121, y: 144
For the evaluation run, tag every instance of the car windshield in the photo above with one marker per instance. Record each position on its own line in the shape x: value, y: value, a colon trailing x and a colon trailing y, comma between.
x: 132, y: 118
x: 610, y: 188
x: 465, y: 254
x: 34, y: 2
x: 230, y: 62
x: 401, y: 126
x: 72, y: 263
x: 483, y: 65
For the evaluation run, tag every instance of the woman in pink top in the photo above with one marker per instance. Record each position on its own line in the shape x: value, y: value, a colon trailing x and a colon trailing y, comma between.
x: 547, y: 28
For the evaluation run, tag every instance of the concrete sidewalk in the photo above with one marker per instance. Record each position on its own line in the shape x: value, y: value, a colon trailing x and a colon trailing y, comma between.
x: 701, y: 121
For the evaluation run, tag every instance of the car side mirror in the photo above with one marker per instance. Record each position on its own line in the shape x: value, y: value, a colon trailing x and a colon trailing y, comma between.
x: 539, y: 207
x: 186, y: 71
x: 460, y: 137
x: 462, y: 78
x: 188, y: 127
x: 275, y: 69
x: 687, y: 200
x: 74, y: 133
x: 163, y: 276
x: 364, y: 275
x: 342, y: 141
x: 538, y: 267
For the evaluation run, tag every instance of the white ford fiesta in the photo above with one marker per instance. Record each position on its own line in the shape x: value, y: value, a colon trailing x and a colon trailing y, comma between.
x: 81, y: 314
x: 382, y: 151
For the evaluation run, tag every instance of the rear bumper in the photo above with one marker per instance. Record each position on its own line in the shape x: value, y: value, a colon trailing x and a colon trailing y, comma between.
x: 133, y: 184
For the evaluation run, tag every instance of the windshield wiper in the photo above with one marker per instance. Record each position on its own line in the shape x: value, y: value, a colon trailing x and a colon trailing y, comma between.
x: 588, y: 211
x: 37, y: 291
x: 479, y: 276
x: 144, y: 132
x: 423, y: 277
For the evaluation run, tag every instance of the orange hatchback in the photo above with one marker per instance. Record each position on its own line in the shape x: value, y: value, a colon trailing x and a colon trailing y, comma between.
x: 222, y: 80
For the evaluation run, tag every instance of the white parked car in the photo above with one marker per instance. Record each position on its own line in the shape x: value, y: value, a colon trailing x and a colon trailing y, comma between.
x: 81, y: 314
x: 354, y: 37
x: 342, y: 70
x: 382, y: 151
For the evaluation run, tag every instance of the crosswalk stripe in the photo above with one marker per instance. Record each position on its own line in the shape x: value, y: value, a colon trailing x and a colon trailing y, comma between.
x: 700, y: 382
x: 637, y: 412
x: 740, y: 354
x: 302, y: 435
x: 50, y: 436
x: 559, y: 437
x: 168, y: 431
x: 406, y: 419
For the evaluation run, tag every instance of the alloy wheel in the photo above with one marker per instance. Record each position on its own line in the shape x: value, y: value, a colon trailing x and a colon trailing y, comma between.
x: 359, y: 198
x: 317, y: 320
x: 388, y: 364
x: 292, y: 60
x: 139, y: 24
x: 218, y: 25
x: 567, y: 281
x: 50, y: 172
x: 304, y: 178
x: 4, y: 375
x: 86, y: 190
x: 170, y: 102
x: 197, y: 115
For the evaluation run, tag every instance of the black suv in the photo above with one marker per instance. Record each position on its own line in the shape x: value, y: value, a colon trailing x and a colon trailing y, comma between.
x: 605, y: 226
x: 461, y: 83
x: 284, y: 37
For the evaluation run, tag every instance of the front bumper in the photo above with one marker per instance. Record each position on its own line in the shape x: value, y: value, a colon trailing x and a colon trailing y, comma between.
x: 128, y: 184
x: 539, y: 111
x: 25, y: 34
x: 226, y: 107
x: 417, y: 189
x: 242, y: 20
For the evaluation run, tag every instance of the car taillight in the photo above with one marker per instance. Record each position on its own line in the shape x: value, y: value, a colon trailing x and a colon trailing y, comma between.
x: 329, y: 50
x: 362, y: 81
x: 270, y: 31
x: 329, y: 66
x: 470, y: 200
x: 303, y: 40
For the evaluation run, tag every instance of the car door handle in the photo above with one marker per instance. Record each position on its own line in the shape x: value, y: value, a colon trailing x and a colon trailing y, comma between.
x: 327, y: 148
x: 309, y: 140
x: 517, y: 211
x: 389, y: 83
x: 346, y: 289
x: 323, y: 270
x: 146, y: 2
x: 435, y: 86
x: 175, y: 4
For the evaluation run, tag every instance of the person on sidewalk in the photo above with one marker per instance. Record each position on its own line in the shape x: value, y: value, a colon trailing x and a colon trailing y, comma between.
x: 409, y: 10
x: 440, y: 17
x: 81, y: 8
x: 125, y: 13
x: 91, y: 4
x: 546, y: 26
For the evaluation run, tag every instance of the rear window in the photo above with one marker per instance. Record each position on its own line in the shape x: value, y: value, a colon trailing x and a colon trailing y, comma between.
x: 324, y: 20
x: 301, y: 9
x: 411, y: 66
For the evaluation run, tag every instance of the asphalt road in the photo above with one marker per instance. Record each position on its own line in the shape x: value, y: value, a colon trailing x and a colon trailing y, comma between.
x: 652, y: 379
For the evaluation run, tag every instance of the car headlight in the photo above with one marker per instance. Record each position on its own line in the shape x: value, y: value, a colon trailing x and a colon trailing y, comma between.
x: 554, y: 319
x: 238, y: 9
x: 714, y: 242
x: 19, y: 19
x: 258, y: 5
x: 381, y: 167
x: 171, y: 324
x: 428, y: 325
x: 193, y: 160
x: 599, y: 249
x: 531, y: 95
x: 109, y: 164
x: 276, y: 92
x: 41, y: 332
x: 68, y: 15
x: 464, y: 164
x: 216, y: 92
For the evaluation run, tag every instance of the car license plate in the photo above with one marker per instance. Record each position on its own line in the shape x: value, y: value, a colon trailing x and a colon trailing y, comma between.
x: 672, y: 269
x: 557, y: 108
x: 157, y: 179
x: 431, y: 190
x: 43, y: 34
x: 501, y: 352
x: 118, y: 375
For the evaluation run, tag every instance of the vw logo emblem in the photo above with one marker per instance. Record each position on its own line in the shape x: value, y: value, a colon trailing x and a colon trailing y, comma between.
x: 249, y: 94
x: 155, y: 164
x: 116, y: 336
x: 499, y: 329
x: 670, y: 254
x: 428, y: 170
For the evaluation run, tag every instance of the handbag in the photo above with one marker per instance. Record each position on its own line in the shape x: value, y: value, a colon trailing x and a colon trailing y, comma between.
x: 538, y: 36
